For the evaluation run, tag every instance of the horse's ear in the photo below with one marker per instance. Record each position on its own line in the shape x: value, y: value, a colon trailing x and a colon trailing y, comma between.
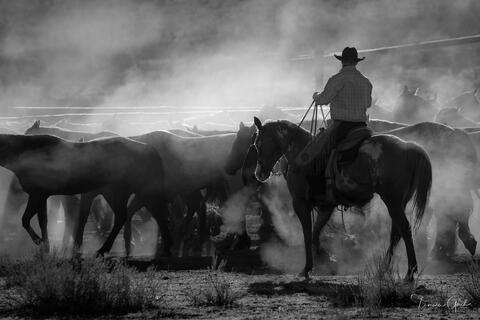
x: 257, y: 122
x: 241, y: 126
x: 36, y: 124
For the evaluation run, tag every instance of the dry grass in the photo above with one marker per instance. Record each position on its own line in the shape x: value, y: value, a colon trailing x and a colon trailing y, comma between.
x: 51, y: 284
x: 471, y: 285
x: 217, y: 292
x: 382, y: 286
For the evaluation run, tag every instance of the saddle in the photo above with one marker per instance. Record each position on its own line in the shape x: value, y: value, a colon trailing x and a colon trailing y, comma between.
x: 344, y: 154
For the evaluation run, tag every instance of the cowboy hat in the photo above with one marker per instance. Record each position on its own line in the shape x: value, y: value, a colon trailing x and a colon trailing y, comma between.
x: 349, y: 54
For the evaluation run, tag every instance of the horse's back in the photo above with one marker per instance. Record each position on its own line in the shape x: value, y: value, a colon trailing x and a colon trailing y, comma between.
x: 69, y: 135
x: 56, y: 166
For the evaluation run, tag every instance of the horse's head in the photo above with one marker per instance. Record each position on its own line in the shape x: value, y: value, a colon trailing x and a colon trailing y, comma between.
x: 243, y: 140
x: 411, y: 107
x: 268, y: 146
x: 34, y: 128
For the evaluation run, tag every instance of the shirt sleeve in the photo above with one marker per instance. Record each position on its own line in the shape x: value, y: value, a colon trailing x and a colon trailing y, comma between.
x: 369, y: 96
x: 330, y: 91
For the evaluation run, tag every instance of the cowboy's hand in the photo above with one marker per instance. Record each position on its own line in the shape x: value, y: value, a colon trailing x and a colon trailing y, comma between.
x: 315, y: 96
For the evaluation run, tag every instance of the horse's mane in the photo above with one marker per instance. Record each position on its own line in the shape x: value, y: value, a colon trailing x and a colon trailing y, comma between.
x: 292, y: 126
x: 67, y: 134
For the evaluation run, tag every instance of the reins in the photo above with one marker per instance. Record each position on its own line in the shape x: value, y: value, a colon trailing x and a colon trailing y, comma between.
x: 313, y: 125
x: 313, y: 132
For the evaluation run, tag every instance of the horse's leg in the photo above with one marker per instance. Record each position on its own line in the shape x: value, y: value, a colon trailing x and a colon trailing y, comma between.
x: 118, y: 203
x: 399, y: 220
x: 42, y: 222
x: 30, y: 210
x: 159, y: 211
x: 462, y: 212
x: 177, y: 219
x: 395, y: 237
x: 444, y: 247
x: 192, y: 202
x: 202, y: 224
x: 462, y: 215
x: 324, y: 214
x: 466, y: 236
x: 134, y: 206
x: 86, y: 200
x: 196, y: 203
x: 303, y: 211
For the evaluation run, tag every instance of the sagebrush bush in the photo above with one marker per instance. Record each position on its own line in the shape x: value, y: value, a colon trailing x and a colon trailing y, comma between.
x: 382, y: 286
x: 471, y: 285
x: 52, y: 284
x: 217, y: 292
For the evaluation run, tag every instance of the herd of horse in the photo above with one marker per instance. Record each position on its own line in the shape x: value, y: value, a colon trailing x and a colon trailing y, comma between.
x: 419, y: 154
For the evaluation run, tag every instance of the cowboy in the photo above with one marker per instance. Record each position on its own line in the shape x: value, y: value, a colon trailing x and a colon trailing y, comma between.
x: 349, y: 94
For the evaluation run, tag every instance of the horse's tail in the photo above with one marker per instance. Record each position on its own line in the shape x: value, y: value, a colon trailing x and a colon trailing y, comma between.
x: 421, y: 181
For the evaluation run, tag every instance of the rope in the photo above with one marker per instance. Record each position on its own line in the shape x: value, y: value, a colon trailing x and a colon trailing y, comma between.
x: 313, y: 125
x: 308, y: 110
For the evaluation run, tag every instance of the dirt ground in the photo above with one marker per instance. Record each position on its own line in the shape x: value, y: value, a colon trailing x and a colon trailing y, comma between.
x: 274, y: 296
x: 268, y: 296
x: 265, y: 294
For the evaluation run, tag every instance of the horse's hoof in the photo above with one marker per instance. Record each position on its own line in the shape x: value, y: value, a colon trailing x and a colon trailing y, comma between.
x: 304, y: 274
x: 409, y: 277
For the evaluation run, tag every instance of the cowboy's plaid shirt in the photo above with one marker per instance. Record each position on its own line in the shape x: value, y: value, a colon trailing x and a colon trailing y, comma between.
x: 349, y: 94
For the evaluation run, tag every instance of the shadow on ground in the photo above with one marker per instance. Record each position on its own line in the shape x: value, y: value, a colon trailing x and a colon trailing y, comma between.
x: 337, y: 293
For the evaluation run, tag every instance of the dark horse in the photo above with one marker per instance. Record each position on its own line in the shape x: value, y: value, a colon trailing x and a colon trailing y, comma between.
x: 69, y: 202
x: 395, y: 169
x: 117, y: 167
